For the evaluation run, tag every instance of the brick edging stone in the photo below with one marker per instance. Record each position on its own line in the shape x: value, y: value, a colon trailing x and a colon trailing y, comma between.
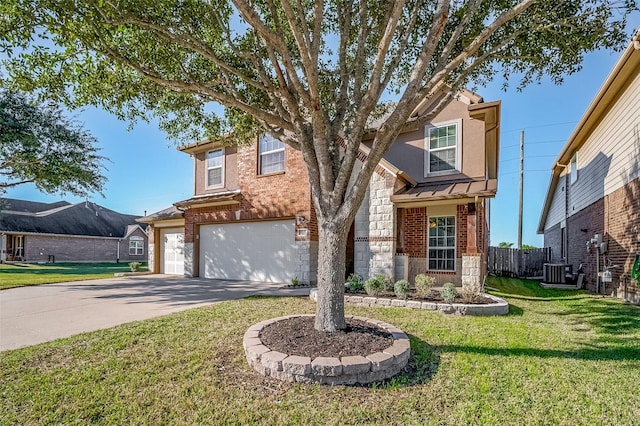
x: 348, y: 370
x: 501, y: 307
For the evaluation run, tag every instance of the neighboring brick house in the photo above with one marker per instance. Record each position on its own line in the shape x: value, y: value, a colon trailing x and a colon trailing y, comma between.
x: 426, y: 208
x: 64, y: 232
x: 595, y: 184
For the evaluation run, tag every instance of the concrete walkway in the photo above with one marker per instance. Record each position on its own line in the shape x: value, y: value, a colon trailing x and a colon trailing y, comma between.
x: 31, y: 315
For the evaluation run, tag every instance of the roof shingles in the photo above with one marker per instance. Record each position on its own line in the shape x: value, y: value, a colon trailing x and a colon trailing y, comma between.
x: 63, y: 218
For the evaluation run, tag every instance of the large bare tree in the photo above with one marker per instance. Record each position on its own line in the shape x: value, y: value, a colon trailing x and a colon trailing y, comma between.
x: 311, y: 73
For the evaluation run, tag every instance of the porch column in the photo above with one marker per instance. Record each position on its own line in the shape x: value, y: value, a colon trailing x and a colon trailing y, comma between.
x: 472, y: 234
x: 3, y: 248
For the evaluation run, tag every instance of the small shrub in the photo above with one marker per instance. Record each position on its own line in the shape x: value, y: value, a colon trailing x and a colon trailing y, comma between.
x: 387, y: 282
x: 424, y: 283
x: 135, y: 266
x: 469, y: 297
x: 401, y: 288
x: 373, y: 286
x: 448, y: 292
x: 295, y: 281
x: 354, y: 283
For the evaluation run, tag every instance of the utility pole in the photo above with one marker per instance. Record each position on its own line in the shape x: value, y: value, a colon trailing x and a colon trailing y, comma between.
x: 521, y: 189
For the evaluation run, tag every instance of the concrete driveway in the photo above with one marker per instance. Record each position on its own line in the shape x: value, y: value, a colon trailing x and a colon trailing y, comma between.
x: 31, y: 315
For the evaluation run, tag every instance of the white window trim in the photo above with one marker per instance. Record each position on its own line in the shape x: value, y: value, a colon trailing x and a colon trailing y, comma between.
x: 427, y: 128
x: 573, y: 172
x: 455, y: 241
x: 137, y: 240
x: 260, y: 154
x: 207, y: 168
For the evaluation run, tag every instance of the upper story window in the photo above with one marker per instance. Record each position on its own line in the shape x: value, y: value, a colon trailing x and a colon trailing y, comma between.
x: 574, y: 168
x: 215, y: 168
x: 136, y: 245
x: 443, y: 148
x: 270, y: 155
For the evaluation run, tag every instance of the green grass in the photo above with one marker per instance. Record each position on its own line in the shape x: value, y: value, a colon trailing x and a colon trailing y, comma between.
x: 557, y: 358
x: 26, y: 274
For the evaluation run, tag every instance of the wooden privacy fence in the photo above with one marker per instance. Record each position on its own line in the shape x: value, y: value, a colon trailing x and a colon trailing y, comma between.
x: 513, y: 262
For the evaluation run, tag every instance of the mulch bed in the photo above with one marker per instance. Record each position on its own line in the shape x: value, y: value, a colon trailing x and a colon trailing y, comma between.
x: 297, y: 336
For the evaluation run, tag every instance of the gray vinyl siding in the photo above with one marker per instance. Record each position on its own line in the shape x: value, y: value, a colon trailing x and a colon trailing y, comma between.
x: 609, y: 158
x: 556, y: 211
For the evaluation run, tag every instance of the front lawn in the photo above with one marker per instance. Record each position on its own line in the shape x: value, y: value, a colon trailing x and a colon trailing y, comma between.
x: 25, y: 274
x: 557, y: 358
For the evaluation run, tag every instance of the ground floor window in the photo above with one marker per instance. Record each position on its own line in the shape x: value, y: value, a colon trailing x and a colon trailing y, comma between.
x: 442, y: 243
x: 136, y: 245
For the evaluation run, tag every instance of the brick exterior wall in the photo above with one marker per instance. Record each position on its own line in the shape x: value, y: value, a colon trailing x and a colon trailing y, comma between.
x: 553, y: 239
x: 580, y: 228
x: 622, y: 223
x: 617, y: 218
x: 415, y: 232
x: 38, y: 248
x: 279, y: 195
x: 284, y: 195
x: 414, y: 237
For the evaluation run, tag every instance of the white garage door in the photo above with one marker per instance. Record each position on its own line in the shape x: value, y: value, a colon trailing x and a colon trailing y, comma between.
x: 256, y: 251
x: 172, y: 251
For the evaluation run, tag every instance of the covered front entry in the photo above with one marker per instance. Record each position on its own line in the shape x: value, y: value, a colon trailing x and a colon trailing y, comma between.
x: 256, y: 251
x: 172, y: 256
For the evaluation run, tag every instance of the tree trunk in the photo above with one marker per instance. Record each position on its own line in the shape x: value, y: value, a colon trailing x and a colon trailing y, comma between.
x: 331, y: 269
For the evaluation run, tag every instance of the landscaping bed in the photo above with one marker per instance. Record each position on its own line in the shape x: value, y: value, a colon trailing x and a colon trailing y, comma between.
x: 297, y: 336
x: 493, y: 305
x: 290, y: 349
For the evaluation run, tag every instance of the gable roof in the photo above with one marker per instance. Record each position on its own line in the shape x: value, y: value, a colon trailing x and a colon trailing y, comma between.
x: 63, y: 218
x: 623, y: 72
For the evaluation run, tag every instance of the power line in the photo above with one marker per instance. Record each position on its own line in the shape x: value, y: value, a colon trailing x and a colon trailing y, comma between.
x: 526, y: 170
x: 530, y: 156
x: 535, y: 143
x: 540, y: 126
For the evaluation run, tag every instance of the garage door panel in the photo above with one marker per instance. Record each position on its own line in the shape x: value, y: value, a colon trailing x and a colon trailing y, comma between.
x: 256, y: 251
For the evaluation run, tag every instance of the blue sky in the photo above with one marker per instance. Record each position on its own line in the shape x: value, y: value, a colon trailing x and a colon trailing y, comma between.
x: 146, y: 173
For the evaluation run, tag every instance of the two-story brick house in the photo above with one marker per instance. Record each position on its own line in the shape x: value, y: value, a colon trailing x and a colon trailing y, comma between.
x: 426, y: 208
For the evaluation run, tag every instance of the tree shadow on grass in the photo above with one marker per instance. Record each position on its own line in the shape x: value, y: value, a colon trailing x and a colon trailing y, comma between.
x: 423, y: 365
x: 593, y: 352
x: 515, y: 310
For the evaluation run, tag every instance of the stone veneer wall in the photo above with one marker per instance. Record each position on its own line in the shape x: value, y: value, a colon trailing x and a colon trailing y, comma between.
x: 151, y: 249
x: 306, y: 262
x: 374, y: 225
x: 190, y: 269
x: 472, y: 273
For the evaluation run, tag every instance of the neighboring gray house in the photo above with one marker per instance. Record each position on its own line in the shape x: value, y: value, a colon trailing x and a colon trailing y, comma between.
x: 594, y: 193
x: 64, y: 232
